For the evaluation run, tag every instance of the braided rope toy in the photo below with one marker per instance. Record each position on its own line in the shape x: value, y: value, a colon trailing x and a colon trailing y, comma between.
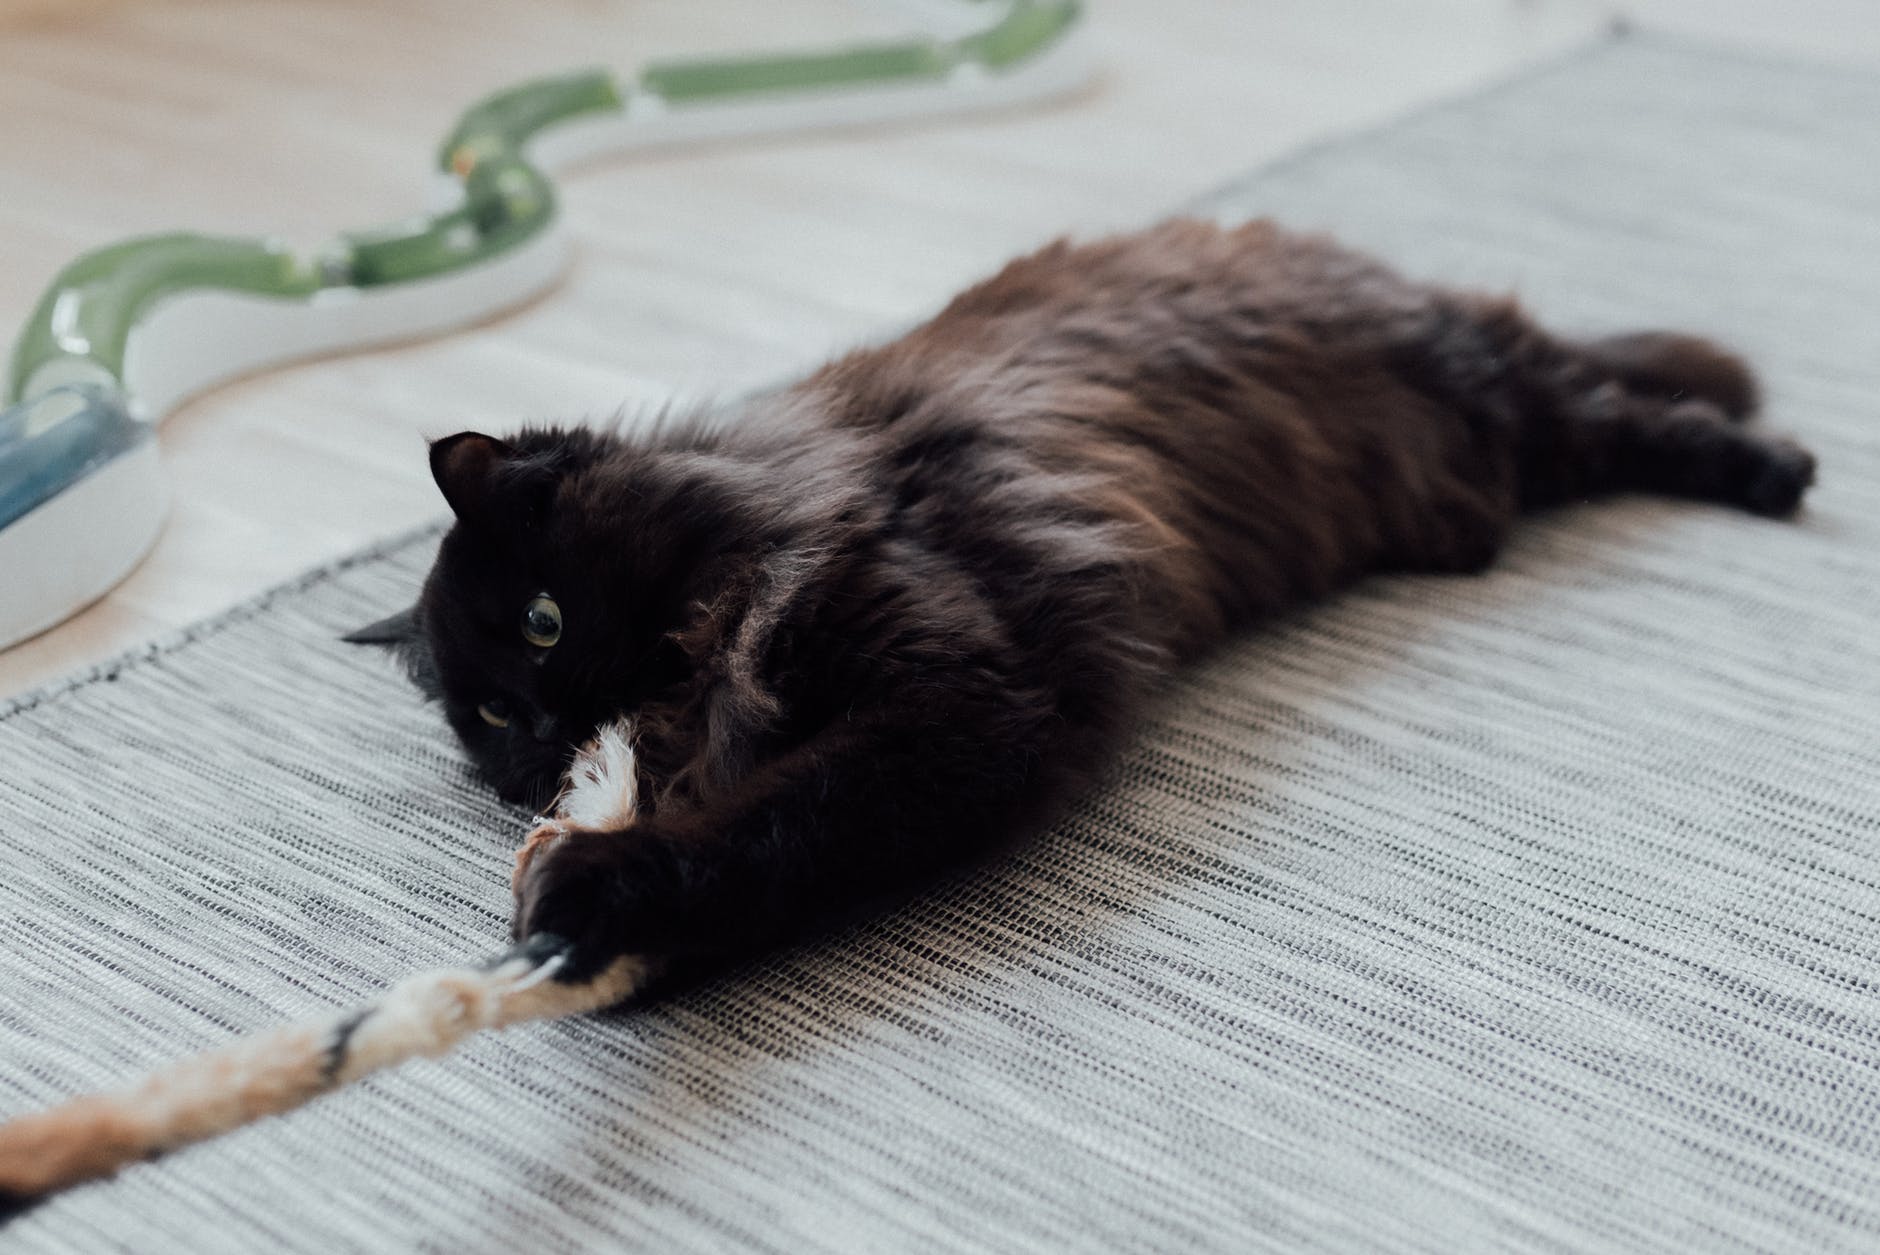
x: 422, y: 1016
x: 127, y: 332
x: 220, y: 1090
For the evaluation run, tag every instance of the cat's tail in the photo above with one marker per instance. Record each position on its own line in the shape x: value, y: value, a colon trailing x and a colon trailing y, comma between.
x: 1675, y: 367
x: 220, y: 1090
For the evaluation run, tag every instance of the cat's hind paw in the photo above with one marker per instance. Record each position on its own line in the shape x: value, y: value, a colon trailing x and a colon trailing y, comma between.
x: 1786, y: 472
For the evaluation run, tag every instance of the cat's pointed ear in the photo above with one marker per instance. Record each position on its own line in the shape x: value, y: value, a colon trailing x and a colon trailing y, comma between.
x: 491, y: 486
x: 468, y: 468
x: 394, y: 630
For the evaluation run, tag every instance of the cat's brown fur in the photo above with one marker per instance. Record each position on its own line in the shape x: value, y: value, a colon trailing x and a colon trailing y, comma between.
x: 899, y: 613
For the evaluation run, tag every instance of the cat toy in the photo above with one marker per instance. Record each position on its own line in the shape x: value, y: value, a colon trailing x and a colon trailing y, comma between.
x: 127, y: 332
x: 422, y: 1016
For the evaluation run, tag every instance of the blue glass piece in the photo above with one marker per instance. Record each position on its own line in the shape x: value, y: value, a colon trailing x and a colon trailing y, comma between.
x: 53, y: 441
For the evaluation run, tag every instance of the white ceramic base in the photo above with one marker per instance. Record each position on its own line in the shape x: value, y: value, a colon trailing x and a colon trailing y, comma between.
x: 74, y: 548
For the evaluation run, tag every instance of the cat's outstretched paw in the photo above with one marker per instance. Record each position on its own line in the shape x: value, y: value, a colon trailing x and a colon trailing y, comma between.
x: 545, y: 833
x: 569, y: 885
x: 600, y: 793
x: 561, y: 870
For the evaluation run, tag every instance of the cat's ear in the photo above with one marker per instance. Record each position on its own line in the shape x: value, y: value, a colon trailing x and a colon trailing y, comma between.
x: 468, y: 468
x: 394, y: 630
x: 491, y: 486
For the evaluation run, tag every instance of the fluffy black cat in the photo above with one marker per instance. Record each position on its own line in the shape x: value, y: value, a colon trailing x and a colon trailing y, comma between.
x: 875, y: 625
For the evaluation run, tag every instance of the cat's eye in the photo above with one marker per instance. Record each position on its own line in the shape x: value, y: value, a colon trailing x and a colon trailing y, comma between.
x: 541, y: 621
x: 494, y: 712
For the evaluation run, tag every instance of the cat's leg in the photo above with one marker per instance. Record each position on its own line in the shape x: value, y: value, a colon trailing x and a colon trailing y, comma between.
x: 1647, y: 412
x: 1609, y: 438
x: 1462, y: 533
x: 866, y: 810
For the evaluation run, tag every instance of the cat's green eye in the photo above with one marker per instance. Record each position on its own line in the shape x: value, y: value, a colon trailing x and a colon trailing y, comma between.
x: 541, y: 621
x: 495, y: 713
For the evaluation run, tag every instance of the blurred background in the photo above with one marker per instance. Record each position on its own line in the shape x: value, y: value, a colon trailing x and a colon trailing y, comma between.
x: 699, y: 272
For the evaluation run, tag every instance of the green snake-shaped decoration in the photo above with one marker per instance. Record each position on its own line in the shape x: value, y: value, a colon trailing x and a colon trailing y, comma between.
x: 126, y: 332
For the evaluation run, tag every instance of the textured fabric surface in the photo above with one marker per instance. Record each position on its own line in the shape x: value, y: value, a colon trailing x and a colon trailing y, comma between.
x: 1535, y: 911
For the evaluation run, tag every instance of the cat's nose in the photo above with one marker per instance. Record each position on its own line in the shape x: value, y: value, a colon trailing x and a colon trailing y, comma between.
x: 545, y: 727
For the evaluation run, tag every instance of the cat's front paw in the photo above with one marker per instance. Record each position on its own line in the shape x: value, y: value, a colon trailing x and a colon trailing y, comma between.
x: 571, y: 883
x: 567, y: 858
x: 545, y: 833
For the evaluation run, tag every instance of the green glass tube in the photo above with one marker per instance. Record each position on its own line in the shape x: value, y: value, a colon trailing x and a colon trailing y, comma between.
x: 1026, y: 28
x: 92, y: 304
x: 87, y: 314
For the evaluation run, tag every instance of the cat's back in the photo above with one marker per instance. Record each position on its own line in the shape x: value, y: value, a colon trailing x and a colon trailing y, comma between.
x: 1192, y: 268
x: 1182, y: 298
x: 1121, y: 414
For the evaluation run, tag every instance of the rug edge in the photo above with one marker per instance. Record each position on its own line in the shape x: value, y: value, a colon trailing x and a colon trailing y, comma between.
x: 111, y: 667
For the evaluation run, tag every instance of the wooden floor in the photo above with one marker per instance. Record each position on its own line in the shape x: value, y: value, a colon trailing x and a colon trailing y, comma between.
x: 702, y: 272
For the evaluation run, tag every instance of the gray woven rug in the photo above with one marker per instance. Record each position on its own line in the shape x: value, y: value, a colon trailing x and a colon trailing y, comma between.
x: 1539, y: 911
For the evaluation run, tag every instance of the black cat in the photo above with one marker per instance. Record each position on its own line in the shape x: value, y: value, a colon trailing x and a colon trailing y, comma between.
x: 897, y: 615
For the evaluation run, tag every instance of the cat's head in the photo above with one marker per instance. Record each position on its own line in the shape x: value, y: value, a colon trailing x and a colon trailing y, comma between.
x: 550, y: 605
